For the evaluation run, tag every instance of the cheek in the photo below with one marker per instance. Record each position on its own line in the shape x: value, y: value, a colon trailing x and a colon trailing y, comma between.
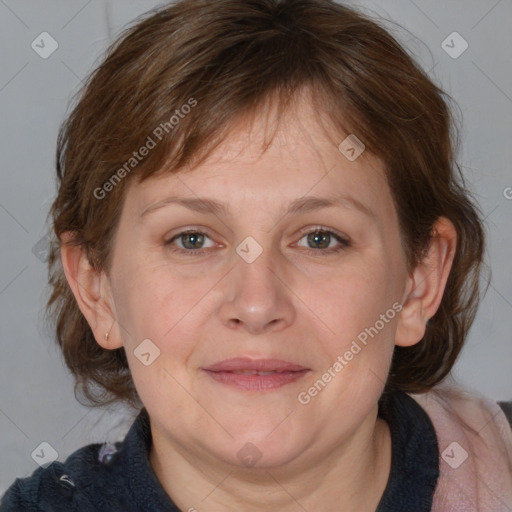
x: 164, y: 306
x: 157, y: 308
x: 354, y: 296
x: 145, y: 302
x: 360, y: 311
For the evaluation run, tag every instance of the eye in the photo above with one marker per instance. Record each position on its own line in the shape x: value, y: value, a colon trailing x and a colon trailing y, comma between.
x: 320, y: 241
x: 190, y: 241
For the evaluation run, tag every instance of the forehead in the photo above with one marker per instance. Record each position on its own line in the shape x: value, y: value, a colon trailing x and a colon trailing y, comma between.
x: 301, y: 158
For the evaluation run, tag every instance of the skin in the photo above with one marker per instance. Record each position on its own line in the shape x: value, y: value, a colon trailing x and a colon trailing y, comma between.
x: 303, y: 307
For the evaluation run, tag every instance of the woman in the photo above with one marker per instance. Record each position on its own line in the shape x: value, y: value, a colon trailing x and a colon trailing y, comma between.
x: 265, y: 248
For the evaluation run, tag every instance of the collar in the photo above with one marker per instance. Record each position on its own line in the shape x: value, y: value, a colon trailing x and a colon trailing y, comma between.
x: 414, y: 461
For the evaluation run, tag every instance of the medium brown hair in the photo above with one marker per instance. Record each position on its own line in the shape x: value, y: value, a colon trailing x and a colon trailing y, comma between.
x: 230, y: 57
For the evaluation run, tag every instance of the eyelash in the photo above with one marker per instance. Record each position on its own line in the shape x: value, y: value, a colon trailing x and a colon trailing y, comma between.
x: 344, y: 243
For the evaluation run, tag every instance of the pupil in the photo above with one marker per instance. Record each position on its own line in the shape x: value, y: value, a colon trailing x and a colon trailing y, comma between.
x: 319, y: 237
x: 193, y: 238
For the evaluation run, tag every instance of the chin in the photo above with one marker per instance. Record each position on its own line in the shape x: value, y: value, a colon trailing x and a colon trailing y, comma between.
x: 259, y: 451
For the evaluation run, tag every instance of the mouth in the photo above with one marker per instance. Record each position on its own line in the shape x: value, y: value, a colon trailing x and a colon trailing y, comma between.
x: 255, y: 374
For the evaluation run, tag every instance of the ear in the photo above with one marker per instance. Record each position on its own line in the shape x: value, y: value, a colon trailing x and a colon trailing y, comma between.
x: 425, y: 287
x: 92, y: 292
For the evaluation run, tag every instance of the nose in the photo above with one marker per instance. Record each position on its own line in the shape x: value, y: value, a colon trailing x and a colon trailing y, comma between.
x: 258, y: 296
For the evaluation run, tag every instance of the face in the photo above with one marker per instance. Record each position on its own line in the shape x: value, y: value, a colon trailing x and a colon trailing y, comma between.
x: 268, y: 279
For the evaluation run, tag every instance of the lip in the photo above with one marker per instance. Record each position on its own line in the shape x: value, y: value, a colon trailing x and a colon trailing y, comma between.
x: 248, y: 364
x: 277, y: 373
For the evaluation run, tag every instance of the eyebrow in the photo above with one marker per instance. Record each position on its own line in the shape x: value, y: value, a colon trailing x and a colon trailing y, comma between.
x: 301, y: 205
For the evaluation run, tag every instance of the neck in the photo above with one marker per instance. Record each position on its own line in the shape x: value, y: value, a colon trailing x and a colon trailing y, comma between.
x: 333, y: 481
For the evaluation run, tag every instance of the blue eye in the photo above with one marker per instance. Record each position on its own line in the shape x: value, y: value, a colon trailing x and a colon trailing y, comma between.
x: 320, y: 239
x: 191, y: 241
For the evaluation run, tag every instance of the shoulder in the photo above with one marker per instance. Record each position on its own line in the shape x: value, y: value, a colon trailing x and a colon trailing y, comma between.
x: 475, y: 448
x: 472, y: 411
x: 61, y: 486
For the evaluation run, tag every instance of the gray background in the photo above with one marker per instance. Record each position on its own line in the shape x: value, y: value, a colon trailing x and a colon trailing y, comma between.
x: 36, y: 391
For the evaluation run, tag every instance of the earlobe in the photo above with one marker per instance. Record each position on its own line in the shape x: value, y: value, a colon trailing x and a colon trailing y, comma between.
x: 426, y: 286
x: 91, y: 289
